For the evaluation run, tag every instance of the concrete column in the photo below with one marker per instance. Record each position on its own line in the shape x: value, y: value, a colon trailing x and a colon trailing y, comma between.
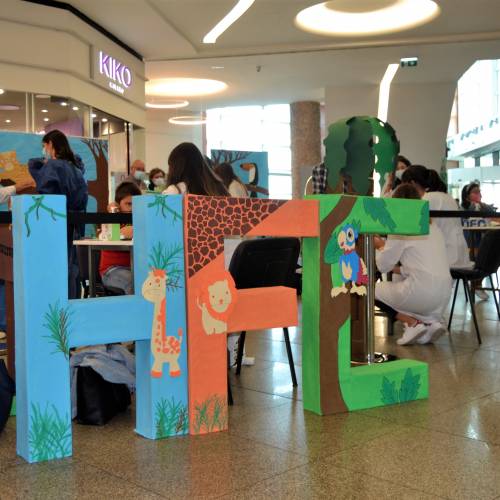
x: 305, y: 135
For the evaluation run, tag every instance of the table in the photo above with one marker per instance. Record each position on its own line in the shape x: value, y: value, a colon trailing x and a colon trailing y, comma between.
x: 95, y: 245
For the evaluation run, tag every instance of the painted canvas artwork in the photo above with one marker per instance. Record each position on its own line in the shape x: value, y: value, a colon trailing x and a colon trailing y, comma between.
x: 250, y: 166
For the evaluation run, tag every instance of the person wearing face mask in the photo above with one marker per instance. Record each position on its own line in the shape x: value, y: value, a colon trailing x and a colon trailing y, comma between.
x: 394, y: 180
x: 157, y: 180
x: 138, y: 175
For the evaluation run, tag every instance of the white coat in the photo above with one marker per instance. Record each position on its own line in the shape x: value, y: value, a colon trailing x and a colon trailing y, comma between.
x: 425, y: 288
x: 453, y: 233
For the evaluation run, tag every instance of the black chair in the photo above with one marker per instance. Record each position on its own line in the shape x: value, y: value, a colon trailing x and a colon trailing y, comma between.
x: 487, y: 264
x: 266, y: 262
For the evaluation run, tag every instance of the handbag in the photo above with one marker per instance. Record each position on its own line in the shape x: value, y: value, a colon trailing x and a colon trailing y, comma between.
x: 97, y: 400
x: 7, y: 392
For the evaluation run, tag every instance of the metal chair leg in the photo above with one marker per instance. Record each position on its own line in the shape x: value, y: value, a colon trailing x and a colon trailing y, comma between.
x: 290, y: 357
x: 239, y: 356
x: 466, y: 294
x: 473, y: 311
x: 494, y: 296
x: 453, y: 303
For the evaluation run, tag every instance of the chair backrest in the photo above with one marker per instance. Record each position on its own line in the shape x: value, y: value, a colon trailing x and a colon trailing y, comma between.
x: 488, y: 256
x: 82, y: 253
x: 265, y: 262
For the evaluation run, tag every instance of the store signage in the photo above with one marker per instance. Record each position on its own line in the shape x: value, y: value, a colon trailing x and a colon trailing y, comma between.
x: 118, y: 75
x: 475, y: 138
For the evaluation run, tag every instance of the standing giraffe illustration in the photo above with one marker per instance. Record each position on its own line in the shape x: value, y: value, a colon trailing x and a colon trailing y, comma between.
x: 165, y: 349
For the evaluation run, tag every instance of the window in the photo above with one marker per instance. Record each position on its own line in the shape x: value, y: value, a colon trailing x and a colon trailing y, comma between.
x: 256, y: 128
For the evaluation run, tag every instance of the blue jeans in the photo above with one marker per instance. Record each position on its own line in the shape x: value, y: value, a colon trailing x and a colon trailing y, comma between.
x: 119, y: 277
x: 3, y: 308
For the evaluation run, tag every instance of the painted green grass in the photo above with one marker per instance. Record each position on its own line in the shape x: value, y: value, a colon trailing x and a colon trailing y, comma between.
x: 58, y: 323
x: 407, y: 391
x: 171, y: 418
x: 49, y: 434
x: 210, y: 415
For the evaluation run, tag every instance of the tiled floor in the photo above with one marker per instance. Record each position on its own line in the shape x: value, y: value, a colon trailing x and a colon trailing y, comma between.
x: 446, y: 447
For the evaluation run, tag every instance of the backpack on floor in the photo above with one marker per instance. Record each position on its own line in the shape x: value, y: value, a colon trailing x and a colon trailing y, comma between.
x: 7, y: 391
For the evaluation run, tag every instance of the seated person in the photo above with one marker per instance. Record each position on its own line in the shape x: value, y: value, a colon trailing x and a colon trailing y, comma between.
x: 420, y: 297
x: 114, y: 266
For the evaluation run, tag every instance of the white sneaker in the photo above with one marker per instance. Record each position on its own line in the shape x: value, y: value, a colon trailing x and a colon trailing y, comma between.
x: 411, y: 333
x: 434, y: 331
x: 481, y: 294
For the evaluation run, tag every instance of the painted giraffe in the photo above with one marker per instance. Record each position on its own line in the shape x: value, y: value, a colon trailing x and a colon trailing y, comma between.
x: 165, y: 349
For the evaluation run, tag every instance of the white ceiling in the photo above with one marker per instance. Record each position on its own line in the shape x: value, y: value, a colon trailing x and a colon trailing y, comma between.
x: 295, y: 65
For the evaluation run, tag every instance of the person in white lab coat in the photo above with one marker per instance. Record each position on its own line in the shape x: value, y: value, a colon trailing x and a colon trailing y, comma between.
x: 419, y: 298
x: 430, y: 187
x: 7, y: 191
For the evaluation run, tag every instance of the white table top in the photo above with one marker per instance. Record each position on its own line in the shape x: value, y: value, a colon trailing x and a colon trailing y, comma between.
x: 89, y: 242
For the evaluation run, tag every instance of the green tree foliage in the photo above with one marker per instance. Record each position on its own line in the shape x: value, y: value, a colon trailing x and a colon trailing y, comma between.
x: 336, y: 155
x: 377, y: 209
x: 168, y: 260
x: 408, y: 390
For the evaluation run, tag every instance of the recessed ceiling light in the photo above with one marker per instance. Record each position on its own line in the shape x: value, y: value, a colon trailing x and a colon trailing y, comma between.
x: 104, y: 120
x: 9, y: 107
x: 2, y: 91
x: 93, y: 115
x: 183, y: 87
x: 347, y: 18
x: 188, y: 120
x: 46, y: 119
x: 64, y: 103
x: 217, y: 67
x: 75, y: 108
x: 45, y: 110
x: 232, y: 16
x: 167, y: 104
x: 42, y: 96
x: 7, y: 121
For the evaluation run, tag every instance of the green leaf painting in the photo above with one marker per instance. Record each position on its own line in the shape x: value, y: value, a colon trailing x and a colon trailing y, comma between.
x: 58, y: 323
x: 332, y: 249
x: 160, y: 203
x: 167, y: 259
x: 37, y: 206
x: 171, y: 418
x: 210, y: 415
x: 49, y: 434
x: 377, y: 209
x: 408, y: 390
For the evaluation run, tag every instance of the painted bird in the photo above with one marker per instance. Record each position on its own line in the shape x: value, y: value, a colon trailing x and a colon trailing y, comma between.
x: 353, y: 269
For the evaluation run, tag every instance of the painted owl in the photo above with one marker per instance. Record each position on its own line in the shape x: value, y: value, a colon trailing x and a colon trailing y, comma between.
x: 352, y: 268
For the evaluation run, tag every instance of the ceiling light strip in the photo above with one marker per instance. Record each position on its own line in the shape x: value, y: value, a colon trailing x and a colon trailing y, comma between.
x: 233, y: 15
x: 385, y: 90
x: 188, y: 120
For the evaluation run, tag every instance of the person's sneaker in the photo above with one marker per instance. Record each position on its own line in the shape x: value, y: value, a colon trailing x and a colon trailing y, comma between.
x: 434, y: 331
x: 411, y: 333
x: 481, y: 294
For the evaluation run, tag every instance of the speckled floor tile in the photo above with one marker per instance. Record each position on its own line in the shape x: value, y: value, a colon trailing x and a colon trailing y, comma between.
x: 66, y: 479
x: 319, y: 481
x: 247, y: 401
x: 435, y: 462
x: 271, y: 350
x: 291, y: 428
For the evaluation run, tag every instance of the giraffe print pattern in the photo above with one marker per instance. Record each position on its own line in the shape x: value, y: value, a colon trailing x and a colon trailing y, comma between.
x: 209, y: 219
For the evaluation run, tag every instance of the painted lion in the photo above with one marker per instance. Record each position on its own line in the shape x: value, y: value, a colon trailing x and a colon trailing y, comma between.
x: 216, y: 301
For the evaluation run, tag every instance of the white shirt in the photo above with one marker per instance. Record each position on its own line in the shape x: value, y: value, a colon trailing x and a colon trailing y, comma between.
x: 424, y: 291
x: 237, y: 189
x: 453, y: 233
x: 180, y: 188
x: 6, y: 193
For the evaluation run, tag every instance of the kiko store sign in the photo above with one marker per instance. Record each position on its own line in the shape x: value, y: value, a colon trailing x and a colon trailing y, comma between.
x: 109, y: 72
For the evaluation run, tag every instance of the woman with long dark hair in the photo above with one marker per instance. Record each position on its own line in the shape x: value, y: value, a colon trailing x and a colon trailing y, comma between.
x: 60, y: 171
x: 231, y: 181
x: 431, y: 188
x: 188, y: 172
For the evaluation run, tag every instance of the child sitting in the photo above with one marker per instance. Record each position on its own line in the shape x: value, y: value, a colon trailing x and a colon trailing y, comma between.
x: 114, y: 266
x: 420, y: 297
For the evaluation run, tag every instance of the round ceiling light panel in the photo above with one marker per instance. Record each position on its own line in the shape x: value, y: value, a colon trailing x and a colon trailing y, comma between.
x: 188, y: 120
x: 184, y: 87
x: 366, y: 17
x: 166, y: 104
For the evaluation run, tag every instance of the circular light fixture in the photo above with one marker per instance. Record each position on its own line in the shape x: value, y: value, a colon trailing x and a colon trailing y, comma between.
x: 104, y: 120
x: 188, y: 120
x: 46, y: 119
x: 184, y: 87
x: 167, y: 104
x: 2, y: 91
x: 93, y: 115
x: 75, y: 108
x: 9, y: 107
x: 45, y: 110
x: 361, y: 18
x: 7, y: 121
x: 64, y: 103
